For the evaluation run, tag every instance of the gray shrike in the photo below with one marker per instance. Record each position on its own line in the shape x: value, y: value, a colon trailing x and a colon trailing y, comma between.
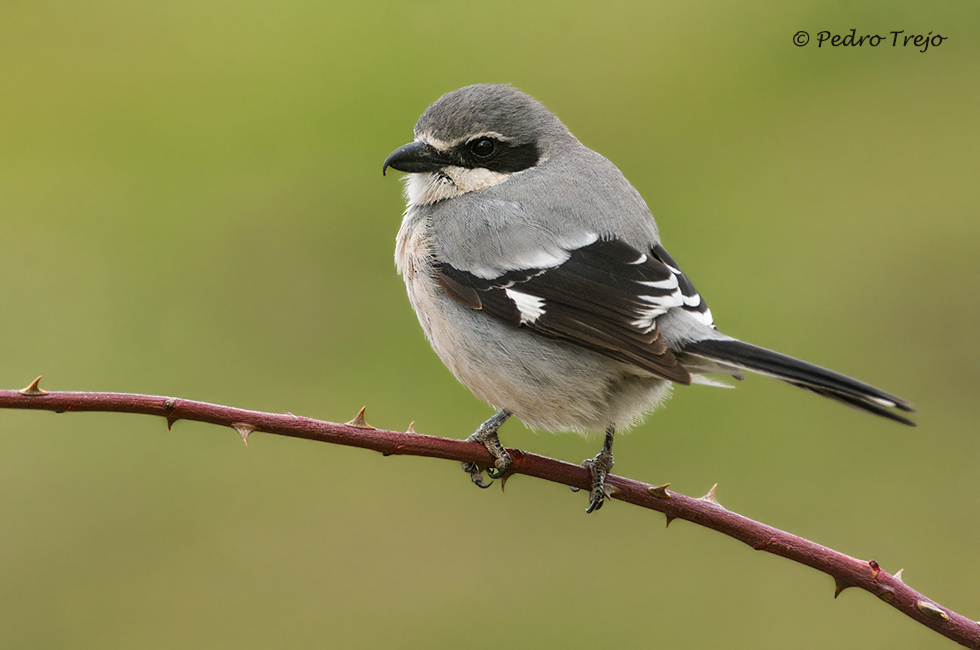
x: 538, y: 276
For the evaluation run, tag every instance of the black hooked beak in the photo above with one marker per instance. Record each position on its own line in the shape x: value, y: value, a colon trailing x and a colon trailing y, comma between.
x: 415, y: 157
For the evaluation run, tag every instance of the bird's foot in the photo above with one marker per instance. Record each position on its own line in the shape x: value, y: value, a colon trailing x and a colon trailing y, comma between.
x: 486, y: 435
x: 599, y: 467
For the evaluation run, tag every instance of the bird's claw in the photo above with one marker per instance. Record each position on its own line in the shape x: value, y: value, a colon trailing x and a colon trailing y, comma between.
x: 486, y: 435
x: 599, y: 467
x: 596, y: 498
x: 476, y: 475
x: 598, y: 492
x: 493, y: 472
x: 478, y: 482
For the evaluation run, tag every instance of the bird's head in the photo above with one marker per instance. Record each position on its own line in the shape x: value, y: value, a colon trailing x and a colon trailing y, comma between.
x: 474, y: 138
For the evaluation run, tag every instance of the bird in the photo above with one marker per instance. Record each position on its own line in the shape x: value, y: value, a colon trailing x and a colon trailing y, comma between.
x: 538, y: 275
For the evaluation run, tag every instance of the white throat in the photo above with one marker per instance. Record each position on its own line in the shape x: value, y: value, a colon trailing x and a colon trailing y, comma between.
x: 449, y: 182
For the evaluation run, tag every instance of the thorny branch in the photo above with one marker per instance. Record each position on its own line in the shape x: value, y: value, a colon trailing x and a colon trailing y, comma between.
x: 705, y: 511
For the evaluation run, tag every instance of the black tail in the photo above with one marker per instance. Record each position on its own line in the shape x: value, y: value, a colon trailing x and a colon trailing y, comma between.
x: 805, y: 375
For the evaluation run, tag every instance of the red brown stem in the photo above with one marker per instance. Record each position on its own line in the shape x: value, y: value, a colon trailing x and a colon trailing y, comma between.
x: 845, y: 570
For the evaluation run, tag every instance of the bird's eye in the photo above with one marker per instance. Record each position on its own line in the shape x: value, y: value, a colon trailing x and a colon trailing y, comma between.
x: 483, y: 147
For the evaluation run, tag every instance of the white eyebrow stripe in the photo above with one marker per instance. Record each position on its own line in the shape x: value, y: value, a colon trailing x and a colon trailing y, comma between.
x: 444, y: 145
x: 485, y: 134
x: 433, y: 141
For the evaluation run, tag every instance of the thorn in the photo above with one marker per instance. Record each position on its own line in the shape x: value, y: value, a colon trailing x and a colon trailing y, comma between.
x: 169, y: 405
x: 669, y: 519
x: 243, y: 430
x: 611, y: 491
x: 932, y: 611
x: 898, y: 576
x: 411, y: 427
x: 659, y: 492
x: 839, y: 587
x: 33, y: 390
x: 875, y: 569
x: 710, y: 497
x: 503, y: 481
x: 358, y: 422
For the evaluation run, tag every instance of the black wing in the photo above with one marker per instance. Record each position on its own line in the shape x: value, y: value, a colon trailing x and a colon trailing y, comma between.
x: 605, y: 297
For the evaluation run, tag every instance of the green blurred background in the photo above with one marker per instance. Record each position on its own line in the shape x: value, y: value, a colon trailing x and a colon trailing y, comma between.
x: 191, y: 205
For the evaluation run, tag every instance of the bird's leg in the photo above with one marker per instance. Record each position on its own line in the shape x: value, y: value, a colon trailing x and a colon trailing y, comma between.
x: 598, y: 467
x: 486, y: 435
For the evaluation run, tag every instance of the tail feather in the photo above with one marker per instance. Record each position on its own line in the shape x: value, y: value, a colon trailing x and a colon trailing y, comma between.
x: 805, y: 375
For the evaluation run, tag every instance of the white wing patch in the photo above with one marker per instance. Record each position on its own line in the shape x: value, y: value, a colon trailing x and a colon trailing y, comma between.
x: 531, y: 307
x: 547, y: 257
x: 658, y: 306
x: 579, y: 240
x: 655, y: 306
x: 540, y: 259
x: 669, y: 283
x: 554, y: 256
